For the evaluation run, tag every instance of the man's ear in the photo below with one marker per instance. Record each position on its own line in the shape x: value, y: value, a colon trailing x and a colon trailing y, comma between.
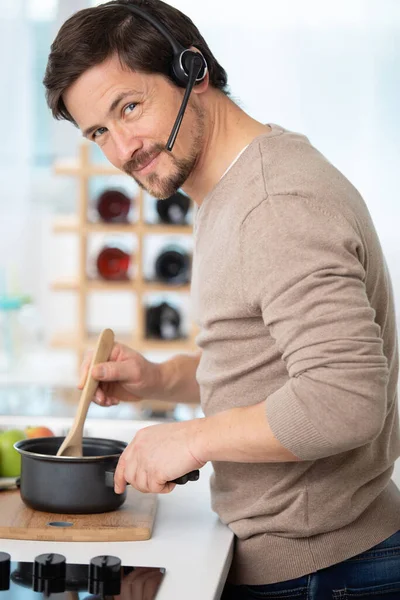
x: 202, y: 87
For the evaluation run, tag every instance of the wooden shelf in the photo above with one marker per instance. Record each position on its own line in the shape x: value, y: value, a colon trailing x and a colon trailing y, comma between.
x: 158, y: 228
x: 65, y: 285
x: 66, y: 224
x: 71, y: 341
x: 80, y: 339
x: 96, y: 285
x: 72, y: 167
x: 102, y: 285
x: 110, y: 227
x: 65, y: 341
x: 72, y: 285
x: 70, y: 224
x: 156, y: 286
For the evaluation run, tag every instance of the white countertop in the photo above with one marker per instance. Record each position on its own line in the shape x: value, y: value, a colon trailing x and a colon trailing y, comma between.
x: 188, y: 539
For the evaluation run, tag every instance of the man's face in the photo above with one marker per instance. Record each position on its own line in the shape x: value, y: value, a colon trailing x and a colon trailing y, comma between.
x: 130, y: 116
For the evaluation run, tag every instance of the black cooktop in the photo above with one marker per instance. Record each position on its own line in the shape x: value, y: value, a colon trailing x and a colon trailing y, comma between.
x: 103, y: 578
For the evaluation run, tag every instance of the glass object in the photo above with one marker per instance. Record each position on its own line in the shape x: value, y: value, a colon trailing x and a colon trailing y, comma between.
x: 113, y: 206
x: 163, y: 321
x: 173, y: 265
x: 173, y: 210
x: 113, y: 263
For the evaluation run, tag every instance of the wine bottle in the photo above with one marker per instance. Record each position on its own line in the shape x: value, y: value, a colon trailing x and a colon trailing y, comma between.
x: 173, y: 210
x: 113, y: 263
x: 163, y: 321
x: 173, y: 265
x: 113, y: 206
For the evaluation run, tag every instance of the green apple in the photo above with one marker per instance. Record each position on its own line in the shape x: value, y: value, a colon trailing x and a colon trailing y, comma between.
x: 10, y: 459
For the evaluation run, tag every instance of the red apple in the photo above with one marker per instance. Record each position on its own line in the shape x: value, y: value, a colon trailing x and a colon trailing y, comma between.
x: 38, y: 431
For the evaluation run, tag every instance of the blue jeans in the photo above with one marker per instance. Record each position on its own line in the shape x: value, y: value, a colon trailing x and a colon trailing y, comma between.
x: 371, y: 575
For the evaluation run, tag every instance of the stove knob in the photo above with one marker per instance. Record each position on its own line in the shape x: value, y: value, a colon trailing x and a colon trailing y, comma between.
x: 49, y: 573
x: 105, y: 575
x: 49, y: 566
x: 5, y: 562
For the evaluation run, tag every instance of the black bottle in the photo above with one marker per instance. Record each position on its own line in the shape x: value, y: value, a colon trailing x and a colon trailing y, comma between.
x: 163, y: 321
x: 173, y: 210
x: 173, y: 265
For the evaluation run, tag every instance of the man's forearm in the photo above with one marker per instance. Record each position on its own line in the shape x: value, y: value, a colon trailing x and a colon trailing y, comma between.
x: 237, y: 435
x: 178, y: 378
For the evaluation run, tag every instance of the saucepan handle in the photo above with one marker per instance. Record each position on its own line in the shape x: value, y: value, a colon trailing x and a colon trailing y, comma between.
x: 192, y: 476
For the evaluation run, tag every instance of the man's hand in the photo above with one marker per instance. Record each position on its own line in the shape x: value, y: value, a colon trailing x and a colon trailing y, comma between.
x: 157, y: 455
x: 127, y: 376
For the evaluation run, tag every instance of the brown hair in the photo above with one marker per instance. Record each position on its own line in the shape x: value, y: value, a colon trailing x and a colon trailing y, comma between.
x: 92, y: 35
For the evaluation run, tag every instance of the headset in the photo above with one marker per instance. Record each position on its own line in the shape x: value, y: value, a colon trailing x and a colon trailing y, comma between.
x: 188, y: 67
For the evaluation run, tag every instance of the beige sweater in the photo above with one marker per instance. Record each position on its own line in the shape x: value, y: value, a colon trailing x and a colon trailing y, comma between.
x: 295, y: 307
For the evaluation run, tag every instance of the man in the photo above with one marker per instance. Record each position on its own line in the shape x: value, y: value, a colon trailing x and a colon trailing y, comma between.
x: 297, y: 365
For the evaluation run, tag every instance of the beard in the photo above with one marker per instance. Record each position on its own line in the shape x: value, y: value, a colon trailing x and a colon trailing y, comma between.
x: 164, y: 187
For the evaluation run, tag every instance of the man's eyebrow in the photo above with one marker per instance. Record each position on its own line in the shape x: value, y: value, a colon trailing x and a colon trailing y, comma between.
x: 113, y: 106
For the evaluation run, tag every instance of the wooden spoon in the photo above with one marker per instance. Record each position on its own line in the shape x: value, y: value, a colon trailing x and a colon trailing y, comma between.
x: 72, y: 445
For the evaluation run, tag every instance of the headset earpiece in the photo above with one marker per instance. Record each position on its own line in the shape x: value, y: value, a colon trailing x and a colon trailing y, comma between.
x: 181, y: 67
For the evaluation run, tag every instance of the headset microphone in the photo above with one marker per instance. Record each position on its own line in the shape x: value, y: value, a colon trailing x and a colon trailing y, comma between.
x: 188, y: 67
x: 196, y: 65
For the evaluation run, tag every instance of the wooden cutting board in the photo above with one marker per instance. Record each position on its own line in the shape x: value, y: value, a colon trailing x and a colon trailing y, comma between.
x: 134, y: 520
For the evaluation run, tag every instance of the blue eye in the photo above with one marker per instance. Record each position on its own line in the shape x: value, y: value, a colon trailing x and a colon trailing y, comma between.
x: 130, y: 106
x: 99, y: 132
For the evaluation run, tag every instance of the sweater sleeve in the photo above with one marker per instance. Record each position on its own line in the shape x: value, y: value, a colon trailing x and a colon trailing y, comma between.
x: 302, y: 270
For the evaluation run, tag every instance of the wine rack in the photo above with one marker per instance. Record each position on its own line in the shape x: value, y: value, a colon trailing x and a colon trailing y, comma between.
x: 81, y: 339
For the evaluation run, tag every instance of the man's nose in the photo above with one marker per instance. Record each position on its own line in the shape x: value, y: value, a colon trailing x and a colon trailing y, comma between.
x: 126, y: 143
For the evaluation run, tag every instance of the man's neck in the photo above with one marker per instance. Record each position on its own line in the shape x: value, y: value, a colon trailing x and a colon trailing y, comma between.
x: 229, y: 130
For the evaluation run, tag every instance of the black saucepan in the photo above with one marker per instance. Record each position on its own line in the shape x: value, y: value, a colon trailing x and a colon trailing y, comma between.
x: 73, y: 485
